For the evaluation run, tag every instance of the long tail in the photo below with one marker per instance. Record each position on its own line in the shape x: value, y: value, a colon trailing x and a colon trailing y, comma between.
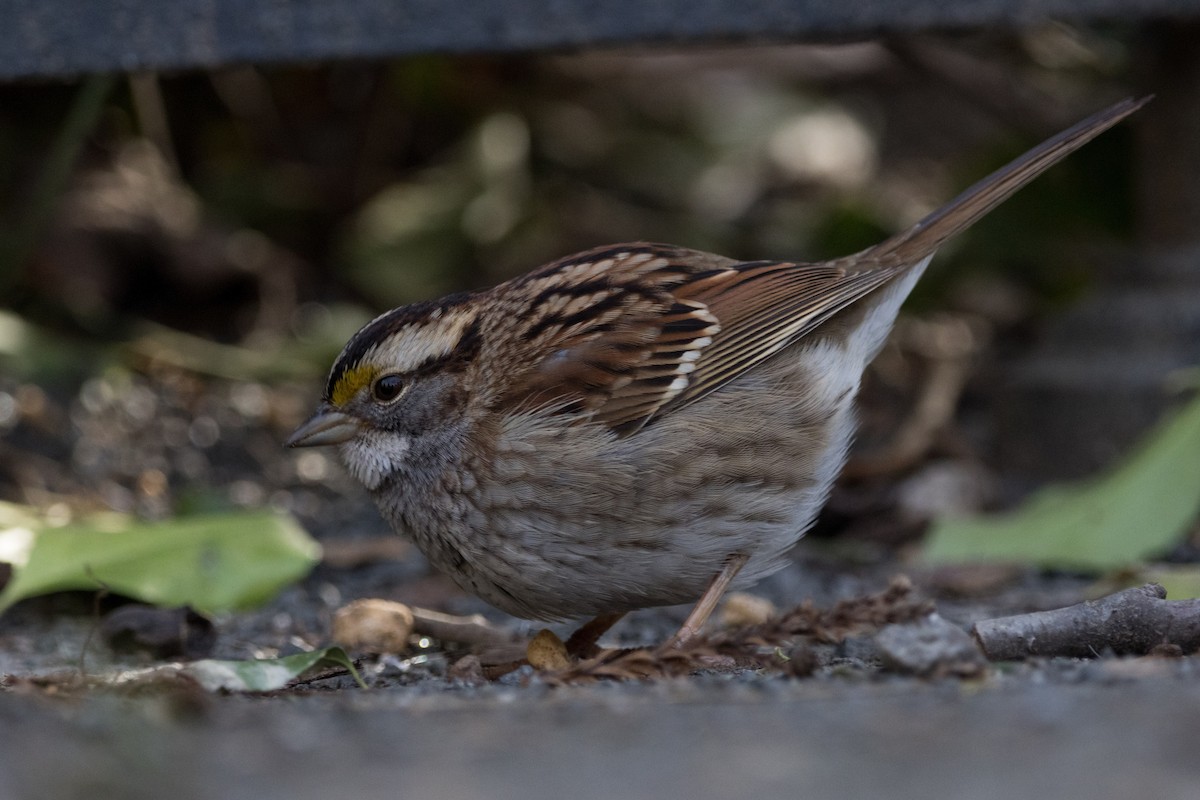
x: 910, y: 246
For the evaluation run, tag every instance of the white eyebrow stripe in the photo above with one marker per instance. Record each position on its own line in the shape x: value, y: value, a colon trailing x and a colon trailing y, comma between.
x: 420, y: 342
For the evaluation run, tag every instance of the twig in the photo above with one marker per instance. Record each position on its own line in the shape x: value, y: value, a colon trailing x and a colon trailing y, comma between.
x: 994, y: 90
x: 325, y: 674
x: 472, y: 630
x: 934, y: 409
x: 1133, y: 621
x: 102, y: 592
x: 948, y: 348
x: 145, y: 92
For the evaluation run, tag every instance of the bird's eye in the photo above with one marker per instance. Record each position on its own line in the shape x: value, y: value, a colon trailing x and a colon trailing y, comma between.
x: 387, y: 388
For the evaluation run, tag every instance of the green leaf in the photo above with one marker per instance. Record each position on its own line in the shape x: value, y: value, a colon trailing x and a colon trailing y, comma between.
x: 213, y: 563
x: 1182, y: 581
x: 1138, y: 510
x: 32, y: 353
x: 256, y: 675
x: 264, y: 675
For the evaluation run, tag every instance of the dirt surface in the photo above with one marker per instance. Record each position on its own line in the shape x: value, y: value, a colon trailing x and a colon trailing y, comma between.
x: 1109, y: 727
x: 1094, y: 731
x: 854, y: 727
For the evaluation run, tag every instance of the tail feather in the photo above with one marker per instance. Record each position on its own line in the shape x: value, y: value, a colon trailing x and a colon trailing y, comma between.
x: 926, y: 236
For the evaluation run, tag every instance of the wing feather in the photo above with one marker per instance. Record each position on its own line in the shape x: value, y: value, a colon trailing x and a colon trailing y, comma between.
x: 674, y: 327
x: 630, y: 332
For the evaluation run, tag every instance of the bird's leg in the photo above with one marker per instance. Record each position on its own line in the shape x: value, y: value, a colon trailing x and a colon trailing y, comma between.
x: 708, y: 601
x: 582, y: 643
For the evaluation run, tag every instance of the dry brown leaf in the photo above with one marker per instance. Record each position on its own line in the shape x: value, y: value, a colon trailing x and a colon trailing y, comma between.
x: 755, y: 646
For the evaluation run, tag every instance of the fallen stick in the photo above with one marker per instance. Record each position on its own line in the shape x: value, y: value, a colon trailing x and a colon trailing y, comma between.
x: 473, y: 630
x: 1133, y: 621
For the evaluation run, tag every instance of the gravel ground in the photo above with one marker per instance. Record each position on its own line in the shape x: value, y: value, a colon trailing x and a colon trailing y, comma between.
x: 1089, y: 733
x: 1103, y: 728
x: 1109, y: 727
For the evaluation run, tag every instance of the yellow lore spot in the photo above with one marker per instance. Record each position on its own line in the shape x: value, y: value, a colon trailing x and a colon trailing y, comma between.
x: 352, y: 382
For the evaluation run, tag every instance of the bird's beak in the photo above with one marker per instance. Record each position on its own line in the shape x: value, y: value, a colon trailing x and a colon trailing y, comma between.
x: 327, y: 426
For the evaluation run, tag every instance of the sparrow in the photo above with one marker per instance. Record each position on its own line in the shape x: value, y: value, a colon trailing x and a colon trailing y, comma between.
x: 635, y: 425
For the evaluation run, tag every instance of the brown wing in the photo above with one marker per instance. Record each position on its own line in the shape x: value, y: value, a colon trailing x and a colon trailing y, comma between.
x: 632, y: 332
x: 658, y: 327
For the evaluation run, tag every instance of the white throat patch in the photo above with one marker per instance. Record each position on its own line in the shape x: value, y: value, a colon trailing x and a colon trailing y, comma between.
x: 373, y: 456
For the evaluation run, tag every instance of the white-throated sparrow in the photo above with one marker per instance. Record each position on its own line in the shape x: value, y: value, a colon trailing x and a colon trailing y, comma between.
x: 633, y: 426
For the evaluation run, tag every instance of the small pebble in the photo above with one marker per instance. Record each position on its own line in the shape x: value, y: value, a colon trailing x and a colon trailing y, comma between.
x: 468, y: 670
x: 930, y: 647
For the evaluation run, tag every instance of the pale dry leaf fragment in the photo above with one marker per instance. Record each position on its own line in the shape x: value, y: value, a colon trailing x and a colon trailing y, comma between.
x: 742, y: 609
x: 546, y: 652
x: 373, y: 625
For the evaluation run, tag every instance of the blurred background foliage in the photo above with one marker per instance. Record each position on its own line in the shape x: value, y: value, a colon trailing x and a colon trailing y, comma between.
x: 204, y: 201
x: 181, y: 256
